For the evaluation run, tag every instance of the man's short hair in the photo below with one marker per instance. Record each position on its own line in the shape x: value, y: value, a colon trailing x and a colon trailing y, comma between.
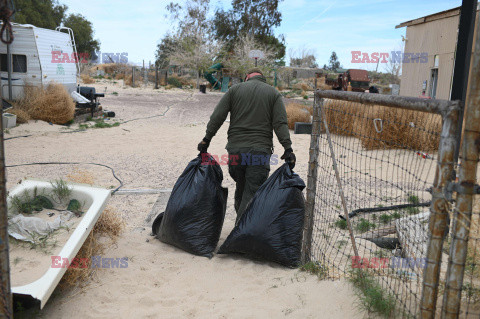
x: 254, y: 70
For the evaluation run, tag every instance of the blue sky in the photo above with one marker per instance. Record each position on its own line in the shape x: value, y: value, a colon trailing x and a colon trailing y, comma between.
x: 322, y: 26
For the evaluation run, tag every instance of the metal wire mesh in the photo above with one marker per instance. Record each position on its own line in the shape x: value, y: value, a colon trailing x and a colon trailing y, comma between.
x: 472, y: 268
x: 386, y: 160
x: 470, y: 305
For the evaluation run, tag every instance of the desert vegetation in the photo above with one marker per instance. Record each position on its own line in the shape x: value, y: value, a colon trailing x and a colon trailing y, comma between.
x: 50, y: 103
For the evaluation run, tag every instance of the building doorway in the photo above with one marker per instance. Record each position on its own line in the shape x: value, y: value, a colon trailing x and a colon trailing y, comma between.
x: 433, y: 83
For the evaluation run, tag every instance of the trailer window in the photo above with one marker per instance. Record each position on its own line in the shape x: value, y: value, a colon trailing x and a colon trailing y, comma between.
x: 19, y: 63
x: 3, y: 63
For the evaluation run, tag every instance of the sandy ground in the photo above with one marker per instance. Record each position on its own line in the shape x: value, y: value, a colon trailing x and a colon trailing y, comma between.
x: 150, y: 151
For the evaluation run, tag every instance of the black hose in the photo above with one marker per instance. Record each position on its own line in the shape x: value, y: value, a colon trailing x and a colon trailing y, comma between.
x: 11, y: 138
x: 382, y: 209
x: 74, y: 163
x: 148, y: 117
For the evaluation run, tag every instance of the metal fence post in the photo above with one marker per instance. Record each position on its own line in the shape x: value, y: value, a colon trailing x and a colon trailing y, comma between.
x: 466, y: 30
x: 339, y: 181
x: 439, y: 213
x: 5, y: 293
x: 133, y: 77
x: 465, y: 189
x: 311, y: 183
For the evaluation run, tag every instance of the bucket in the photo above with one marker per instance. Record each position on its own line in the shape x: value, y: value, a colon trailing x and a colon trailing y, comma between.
x: 9, y: 120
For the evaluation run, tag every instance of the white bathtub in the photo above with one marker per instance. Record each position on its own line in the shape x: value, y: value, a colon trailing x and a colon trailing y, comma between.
x: 93, y: 197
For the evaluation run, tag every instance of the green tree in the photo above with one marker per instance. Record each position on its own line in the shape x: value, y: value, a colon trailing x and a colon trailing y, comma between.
x: 164, y: 49
x: 250, y: 17
x: 334, y: 64
x: 47, y: 14
x: 83, y: 31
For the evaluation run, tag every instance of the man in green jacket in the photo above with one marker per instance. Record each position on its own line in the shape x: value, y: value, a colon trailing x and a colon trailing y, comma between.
x: 256, y: 110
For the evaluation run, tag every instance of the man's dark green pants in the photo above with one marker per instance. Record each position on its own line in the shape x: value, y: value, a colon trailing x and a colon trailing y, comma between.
x: 249, y: 170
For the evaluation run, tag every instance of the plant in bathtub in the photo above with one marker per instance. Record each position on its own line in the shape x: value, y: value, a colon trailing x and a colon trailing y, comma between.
x: 27, y: 204
x: 30, y: 214
x: 61, y: 191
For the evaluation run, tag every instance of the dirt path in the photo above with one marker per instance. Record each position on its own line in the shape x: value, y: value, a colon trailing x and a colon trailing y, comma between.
x: 150, y: 150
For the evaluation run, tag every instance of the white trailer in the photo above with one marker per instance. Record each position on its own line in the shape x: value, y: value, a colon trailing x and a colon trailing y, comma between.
x: 38, y: 58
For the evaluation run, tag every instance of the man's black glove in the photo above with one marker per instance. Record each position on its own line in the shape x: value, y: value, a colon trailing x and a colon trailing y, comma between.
x: 203, y: 145
x: 289, y: 157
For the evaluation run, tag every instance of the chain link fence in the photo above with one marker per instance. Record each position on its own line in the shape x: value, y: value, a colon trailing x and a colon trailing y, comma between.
x: 377, y: 198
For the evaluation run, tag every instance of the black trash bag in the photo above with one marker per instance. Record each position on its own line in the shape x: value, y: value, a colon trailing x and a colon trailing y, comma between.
x: 156, y: 223
x: 193, y: 218
x: 272, y: 225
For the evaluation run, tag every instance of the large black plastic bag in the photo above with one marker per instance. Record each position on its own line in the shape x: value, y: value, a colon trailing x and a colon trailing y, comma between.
x: 195, y: 211
x: 271, y: 226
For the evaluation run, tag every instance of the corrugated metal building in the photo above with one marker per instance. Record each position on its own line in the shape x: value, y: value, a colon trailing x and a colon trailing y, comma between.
x: 433, y: 36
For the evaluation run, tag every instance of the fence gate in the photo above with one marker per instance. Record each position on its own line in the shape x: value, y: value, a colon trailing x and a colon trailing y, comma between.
x: 370, y: 191
x: 384, y: 204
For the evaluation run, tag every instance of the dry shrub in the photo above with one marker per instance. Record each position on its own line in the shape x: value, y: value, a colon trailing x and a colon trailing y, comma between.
x: 169, y: 86
x: 183, y: 80
x: 306, y: 87
x: 280, y: 87
x: 341, y: 116
x: 400, y: 129
x: 31, y: 94
x: 81, y: 176
x: 128, y: 80
x: 51, y: 104
x: 109, y: 224
x: 475, y: 224
x: 109, y: 68
x: 22, y: 116
x: 120, y: 76
x: 163, y: 81
x: 309, y: 108
x: 297, y: 86
x: 87, y: 79
x: 54, y: 105
x: 297, y: 112
x: 322, y: 86
x: 186, y: 80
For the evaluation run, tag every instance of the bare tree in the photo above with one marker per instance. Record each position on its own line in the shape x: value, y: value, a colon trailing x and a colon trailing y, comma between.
x: 394, y: 64
x: 195, y: 51
x: 193, y: 46
x: 302, y: 57
x: 394, y: 68
x: 240, y: 61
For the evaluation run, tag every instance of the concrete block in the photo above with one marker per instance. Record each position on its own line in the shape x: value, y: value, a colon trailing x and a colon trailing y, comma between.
x: 303, y: 128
